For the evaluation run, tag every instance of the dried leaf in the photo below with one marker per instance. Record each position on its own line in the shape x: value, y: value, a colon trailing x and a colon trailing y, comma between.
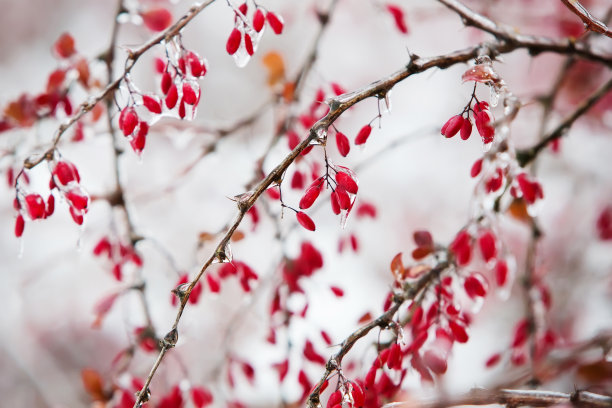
x: 397, y: 266
x: 276, y: 67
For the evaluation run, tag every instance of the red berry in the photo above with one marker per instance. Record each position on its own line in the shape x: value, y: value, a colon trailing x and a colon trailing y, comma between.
x: 476, y: 168
x: 233, y: 41
x: 19, y: 226
x: 152, y: 103
x: 275, y: 22
x: 248, y: 44
x: 305, y: 221
x: 363, y: 135
x: 172, y: 97
x: 189, y: 95
x: 398, y: 16
x: 343, y: 144
x: 157, y: 18
x: 452, y: 126
x: 347, y: 182
x: 258, y: 20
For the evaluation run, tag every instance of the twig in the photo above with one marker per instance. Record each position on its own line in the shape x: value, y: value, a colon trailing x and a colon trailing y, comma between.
x: 133, y: 56
x: 335, y: 361
x: 534, y: 44
x: 515, y: 398
x: 526, y: 156
x: 587, y: 18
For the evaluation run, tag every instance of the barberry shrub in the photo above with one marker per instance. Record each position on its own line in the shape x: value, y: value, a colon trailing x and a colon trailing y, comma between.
x: 306, y: 203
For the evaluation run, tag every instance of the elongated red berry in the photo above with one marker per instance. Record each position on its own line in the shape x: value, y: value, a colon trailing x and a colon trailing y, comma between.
x: 347, y: 182
x: 275, y: 22
x: 152, y: 103
x: 258, y: 20
x: 50, y: 206
x: 398, y: 17
x: 310, y: 196
x: 248, y: 44
x: 475, y: 285
x: 343, y: 198
x: 363, y: 135
x: 343, y: 144
x: 452, y: 126
x: 483, y: 126
x: 128, y: 120
x: 189, y: 95
x: 466, y: 129
x: 459, y: 332
x: 476, y: 168
x: 166, y: 82
x: 233, y: 41
x: 305, y: 221
x: 172, y: 97
x: 77, y: 201
x: 19, y: 225
x: 35, y: 205
x: 65, y: 172
x: 501, y: 272
x: 488, y: 248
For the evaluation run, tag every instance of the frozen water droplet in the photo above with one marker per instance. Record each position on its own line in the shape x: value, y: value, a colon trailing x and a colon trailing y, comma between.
x: 21, y: 248
x: 224, y: 255
x: 387, y: 106
x: 494, y: 98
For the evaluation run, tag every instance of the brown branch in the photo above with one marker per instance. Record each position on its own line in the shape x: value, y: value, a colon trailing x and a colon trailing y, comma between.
x: 590, y: 22
x: 383, y: 321
x: 526, y: 156
x: 377, y: 89
x: 514, y: 398
x: 534, y: 44
x: 133, y: 56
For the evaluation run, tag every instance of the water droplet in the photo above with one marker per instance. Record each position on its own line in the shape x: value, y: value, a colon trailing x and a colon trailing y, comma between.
x: 224, y: 255
x: 21, y: 247
x: 494, y: 98
x: 387, y: 106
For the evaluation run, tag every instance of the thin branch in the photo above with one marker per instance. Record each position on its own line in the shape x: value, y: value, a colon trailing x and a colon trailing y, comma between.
x: 514, y: 398
x: 534, y: 44
x: 335, y: 361
x: 133, y: 56
x: 590, y: 22
x: 526, y: 156
x: 340, y: 104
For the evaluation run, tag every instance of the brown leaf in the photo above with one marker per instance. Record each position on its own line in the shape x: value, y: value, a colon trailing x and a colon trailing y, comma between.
x: 595, y: 373
x: 397, y: 266
x: 237, y: 236
x: 518, y: 210
x: 205, y: 236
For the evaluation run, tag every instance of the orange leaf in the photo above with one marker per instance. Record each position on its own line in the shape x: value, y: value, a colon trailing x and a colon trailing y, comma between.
x: 237, y: 236
x: 205, y: 236
x: 397, y: 266
x: 93, y: 384
x: 276, y: 67
x: 365, y: 318
x: 518, y: 210
x: 289, y: 92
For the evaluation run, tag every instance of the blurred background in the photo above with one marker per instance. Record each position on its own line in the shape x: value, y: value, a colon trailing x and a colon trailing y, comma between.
x: 50, y: 282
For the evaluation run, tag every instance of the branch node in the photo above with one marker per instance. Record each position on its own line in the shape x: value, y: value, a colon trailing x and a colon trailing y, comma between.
x: 170, y: 339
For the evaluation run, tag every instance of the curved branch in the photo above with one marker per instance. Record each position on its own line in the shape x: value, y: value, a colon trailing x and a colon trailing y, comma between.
x: 514, y: 398
x: 133, y: 56
x: 534, y: 44
x: 590, y: 22
x: 526, y: 156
